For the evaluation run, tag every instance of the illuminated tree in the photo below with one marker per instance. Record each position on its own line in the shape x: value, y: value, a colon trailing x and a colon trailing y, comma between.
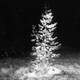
x: 45, y: 43
x: 43, y: 49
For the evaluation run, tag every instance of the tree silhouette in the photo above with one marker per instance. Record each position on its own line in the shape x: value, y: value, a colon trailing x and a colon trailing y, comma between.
x: 45, y: 44
x: 43, y: 49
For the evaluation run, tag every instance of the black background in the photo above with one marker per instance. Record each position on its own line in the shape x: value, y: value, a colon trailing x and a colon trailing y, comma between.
x: 18, y: 16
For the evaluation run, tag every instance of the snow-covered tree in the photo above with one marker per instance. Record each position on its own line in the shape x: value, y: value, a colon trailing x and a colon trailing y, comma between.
x: 45, y: 43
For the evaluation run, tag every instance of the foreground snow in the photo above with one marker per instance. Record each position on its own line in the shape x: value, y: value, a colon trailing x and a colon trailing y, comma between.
x: 49, y: 73
x: 55, y: 72
x: 37, y: 72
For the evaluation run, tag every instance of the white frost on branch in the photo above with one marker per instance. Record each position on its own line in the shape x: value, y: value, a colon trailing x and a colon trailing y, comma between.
x: 43, y: 49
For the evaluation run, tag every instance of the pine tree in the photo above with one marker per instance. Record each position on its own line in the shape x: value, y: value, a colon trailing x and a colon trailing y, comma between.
x: 45, y: 43
x: 43, y: 49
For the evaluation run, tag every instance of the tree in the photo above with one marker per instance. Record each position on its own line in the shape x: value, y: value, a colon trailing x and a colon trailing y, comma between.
x: 43, y: 49
x: 45, y: 43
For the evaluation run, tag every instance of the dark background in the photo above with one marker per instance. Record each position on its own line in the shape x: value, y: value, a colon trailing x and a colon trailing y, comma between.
x: 18, y: 16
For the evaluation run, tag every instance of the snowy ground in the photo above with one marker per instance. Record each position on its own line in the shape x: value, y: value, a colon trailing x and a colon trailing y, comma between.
x: 69, y: 64
x: 70, y: 68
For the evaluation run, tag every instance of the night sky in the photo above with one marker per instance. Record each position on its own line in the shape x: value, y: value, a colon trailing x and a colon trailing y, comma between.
x: 18, y: 16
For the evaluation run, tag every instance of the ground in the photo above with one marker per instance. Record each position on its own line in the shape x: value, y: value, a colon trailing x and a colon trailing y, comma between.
x: 69, y: 65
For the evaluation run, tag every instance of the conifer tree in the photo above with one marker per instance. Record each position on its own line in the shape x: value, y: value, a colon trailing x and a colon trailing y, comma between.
x: 44, y: 48
x: 45, y: 43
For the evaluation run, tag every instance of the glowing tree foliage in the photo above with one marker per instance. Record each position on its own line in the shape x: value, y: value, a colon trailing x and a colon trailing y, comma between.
x: 45, y: 43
